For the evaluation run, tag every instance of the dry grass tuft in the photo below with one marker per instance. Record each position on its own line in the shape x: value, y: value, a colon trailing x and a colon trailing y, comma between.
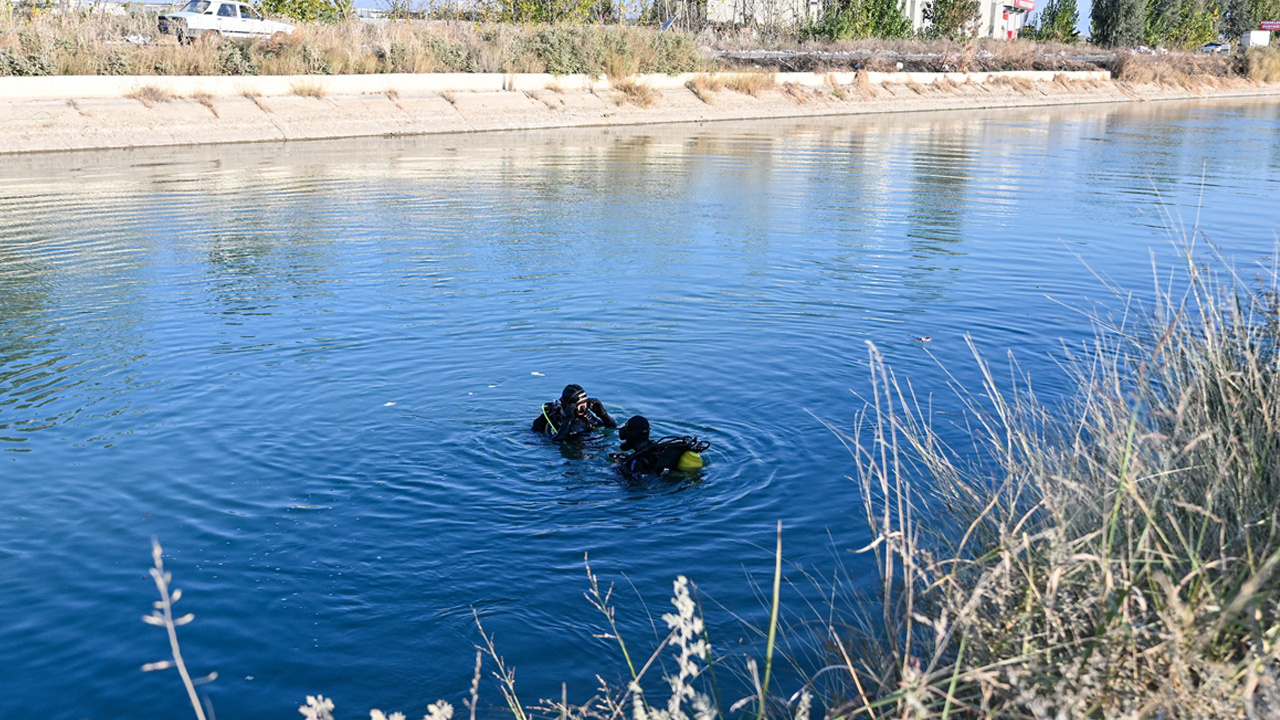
x: 946, y: 85
x: 256, y: 99
x: 705, y: 87
x: 307, y: 88
x: 835, y: 87
x: 149, y: 95
x: 750, y: 83
x: 76, y: 106
x: 1020, y: 84
x: 914, y: 87
x: 634, y: 92
x: 206, y: 100
x: 862, y: 81
x: 797, y: 93
x: 552, y: 103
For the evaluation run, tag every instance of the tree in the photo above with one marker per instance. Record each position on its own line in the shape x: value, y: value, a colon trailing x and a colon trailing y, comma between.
x: 308, y: 10
x: 1181, y: 24
x: 1235, y: 19
x: 1118, y: 22
x: 1260, y: 10
x: 1058, y: 22
x: 860, y: 19
x: 951, y: 18
x: 887, y: 19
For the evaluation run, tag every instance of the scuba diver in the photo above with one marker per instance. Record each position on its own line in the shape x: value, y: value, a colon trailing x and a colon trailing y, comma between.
x: 573, y: 414
x: 642, y: 456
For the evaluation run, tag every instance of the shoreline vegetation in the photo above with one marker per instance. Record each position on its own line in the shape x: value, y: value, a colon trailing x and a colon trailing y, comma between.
x: 128, y: 44
x: 1114, y: 555
x: 77, y: 81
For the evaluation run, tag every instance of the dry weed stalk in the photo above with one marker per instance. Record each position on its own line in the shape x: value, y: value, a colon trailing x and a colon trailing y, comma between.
x: 162, y: 616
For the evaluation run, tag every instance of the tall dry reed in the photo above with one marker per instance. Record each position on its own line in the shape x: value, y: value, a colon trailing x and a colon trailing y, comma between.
x: 1262, y: 64
x: 1115, y: 557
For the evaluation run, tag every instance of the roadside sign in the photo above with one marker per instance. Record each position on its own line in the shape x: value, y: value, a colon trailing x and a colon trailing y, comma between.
x: 1269, y: 25
x: 1025, y: 4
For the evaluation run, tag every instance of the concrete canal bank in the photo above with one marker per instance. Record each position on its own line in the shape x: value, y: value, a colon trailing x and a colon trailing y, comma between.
x: 77, y: 113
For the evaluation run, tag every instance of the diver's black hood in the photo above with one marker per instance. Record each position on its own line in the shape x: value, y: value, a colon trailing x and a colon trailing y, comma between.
x: 572, y: 395
x: 634, y: 432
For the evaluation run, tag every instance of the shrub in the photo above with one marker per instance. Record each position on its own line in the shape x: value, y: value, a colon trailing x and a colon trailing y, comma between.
x: 234, y: 59
x: 17, y: 64
x: 566, y: 50
x: 860, y: 19
x: 308, y: 10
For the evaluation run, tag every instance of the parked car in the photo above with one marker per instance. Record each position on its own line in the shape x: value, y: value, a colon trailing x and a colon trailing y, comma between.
x: 1216, y: 47
x: 215, y: 19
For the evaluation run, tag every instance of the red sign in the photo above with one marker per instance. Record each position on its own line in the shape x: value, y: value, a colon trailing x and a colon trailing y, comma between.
x: 1269, y: 25
x: 1025, y: 4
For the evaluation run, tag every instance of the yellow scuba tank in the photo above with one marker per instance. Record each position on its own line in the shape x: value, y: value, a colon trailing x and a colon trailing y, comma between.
x: 689, y: 461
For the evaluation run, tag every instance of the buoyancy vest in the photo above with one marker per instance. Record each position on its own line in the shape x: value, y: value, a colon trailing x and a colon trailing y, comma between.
x: 666, y: 453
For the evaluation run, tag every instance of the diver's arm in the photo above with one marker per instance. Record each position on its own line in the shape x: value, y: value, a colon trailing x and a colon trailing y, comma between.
x: 597, y: 407
x: 564, y: 430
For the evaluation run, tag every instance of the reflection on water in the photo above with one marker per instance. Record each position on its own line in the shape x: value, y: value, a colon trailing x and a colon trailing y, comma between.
x: 310, y: 369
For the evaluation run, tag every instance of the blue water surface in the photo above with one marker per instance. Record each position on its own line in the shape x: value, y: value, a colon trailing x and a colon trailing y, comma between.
x: 309, y: 369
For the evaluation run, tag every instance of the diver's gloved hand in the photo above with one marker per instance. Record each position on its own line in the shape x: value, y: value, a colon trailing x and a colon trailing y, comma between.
x: 597, y: 407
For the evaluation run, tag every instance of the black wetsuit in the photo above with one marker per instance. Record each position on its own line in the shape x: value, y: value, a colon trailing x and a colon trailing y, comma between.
x: 654, y: 457
x: 554, y: 423
x: 651, y: 458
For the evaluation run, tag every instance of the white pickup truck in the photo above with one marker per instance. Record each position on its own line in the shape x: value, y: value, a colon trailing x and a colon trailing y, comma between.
x: 212, y: 20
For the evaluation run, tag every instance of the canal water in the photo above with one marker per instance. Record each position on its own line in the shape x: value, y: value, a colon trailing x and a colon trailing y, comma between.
x: 309, y: 369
